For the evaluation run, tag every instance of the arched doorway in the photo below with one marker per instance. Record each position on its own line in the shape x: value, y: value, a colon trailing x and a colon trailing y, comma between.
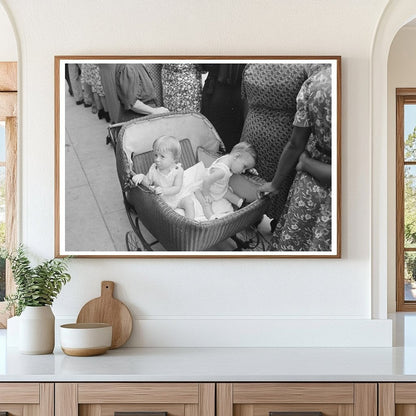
x: 401, y: 123
x: 395, y: 16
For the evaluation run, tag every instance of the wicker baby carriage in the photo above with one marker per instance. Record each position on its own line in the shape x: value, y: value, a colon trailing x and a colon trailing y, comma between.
x: 199, y: 141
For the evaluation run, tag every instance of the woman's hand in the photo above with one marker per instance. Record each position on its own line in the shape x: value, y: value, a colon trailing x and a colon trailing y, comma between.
x: 160, y: 110
x: 142, y: 108
x: 266, y: 188
x: 303, y: 161
x: 319, y: 170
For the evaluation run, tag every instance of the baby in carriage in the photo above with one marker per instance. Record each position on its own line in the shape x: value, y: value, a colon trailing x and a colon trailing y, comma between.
x: 184, y: 189
x: 165, y: 176
x: 216, y: 179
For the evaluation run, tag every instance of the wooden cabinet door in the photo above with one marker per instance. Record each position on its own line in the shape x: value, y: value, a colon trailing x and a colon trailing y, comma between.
x: 397, y: 399
x: 297, y: 399
x: 26, y: 399
x: 144, y: 399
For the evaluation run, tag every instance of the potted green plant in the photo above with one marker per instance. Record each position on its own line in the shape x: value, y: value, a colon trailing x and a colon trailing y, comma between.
x: 36, y: 289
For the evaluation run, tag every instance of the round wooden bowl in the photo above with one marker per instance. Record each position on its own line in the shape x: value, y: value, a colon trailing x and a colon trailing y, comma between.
x: 86, y: 339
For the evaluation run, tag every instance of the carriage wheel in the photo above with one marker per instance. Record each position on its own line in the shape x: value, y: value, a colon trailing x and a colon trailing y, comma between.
x: 132, y: 242
x: 142, y: 244
x: 249, y: 239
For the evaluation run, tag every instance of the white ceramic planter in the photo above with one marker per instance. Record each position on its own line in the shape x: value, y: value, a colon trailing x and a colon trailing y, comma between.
x: 37, y: 330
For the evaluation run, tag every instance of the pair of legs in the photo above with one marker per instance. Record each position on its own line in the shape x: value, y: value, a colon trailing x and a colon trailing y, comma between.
x: 100, y: 102
x: 101, y: 105
x: 95, y: 101
x: 75, y: 78
x: 207, y: 205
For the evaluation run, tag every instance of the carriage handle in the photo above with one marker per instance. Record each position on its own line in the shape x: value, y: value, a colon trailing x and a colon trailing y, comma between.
x: 131, y: 185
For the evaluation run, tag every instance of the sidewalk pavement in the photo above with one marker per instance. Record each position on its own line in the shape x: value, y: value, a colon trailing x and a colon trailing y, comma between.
x: 95, y: 217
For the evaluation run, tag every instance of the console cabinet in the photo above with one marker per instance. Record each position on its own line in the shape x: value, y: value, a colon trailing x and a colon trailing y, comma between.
x: 208, y: 399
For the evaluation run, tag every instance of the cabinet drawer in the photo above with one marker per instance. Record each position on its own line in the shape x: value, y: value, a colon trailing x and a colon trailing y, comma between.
x: 19, y: 393
x: 309, y: 399
x: 147, y: 399
x: 21, y: 399
x: 138, y: 393
x: 397, y: 399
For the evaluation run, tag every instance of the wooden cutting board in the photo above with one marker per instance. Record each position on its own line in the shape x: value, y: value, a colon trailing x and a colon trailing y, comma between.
x: 108, y: 310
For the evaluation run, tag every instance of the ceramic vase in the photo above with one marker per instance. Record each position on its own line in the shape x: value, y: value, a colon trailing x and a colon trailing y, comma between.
x: 37, y: 330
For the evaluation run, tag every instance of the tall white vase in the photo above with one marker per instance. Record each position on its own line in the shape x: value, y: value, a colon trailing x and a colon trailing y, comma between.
x: 37, y: 330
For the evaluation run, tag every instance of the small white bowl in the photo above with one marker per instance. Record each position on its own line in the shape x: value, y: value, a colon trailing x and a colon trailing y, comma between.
x: 83, y: 340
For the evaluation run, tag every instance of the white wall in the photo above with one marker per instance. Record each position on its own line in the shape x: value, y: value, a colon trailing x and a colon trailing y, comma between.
x: 8, y: 48
x: 212, y: 302
x: 401, y: 74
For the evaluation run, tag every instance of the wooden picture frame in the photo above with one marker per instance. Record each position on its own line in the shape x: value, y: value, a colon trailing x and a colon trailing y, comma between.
x: 101, y: 210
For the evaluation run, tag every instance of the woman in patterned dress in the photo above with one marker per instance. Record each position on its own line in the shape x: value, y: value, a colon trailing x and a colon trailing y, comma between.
x: 182, y: 87
x: 270, y: 91
x: 305, y: 224
x: 90, y: 75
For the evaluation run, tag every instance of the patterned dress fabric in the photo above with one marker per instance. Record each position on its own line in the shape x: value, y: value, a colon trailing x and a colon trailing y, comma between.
x: 182, y: 87
x: 271, y: 90
x: 90, y: 74
x: 155, y: 73
x: 306, y: 222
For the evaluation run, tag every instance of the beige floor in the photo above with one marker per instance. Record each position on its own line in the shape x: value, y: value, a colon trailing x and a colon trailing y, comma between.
x: 95, y: 216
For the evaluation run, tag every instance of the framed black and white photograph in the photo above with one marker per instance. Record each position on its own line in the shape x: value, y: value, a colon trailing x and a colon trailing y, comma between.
x: 198, y: 156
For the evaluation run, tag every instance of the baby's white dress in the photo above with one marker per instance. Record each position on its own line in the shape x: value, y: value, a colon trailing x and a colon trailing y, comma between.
x: 192, y: 180
x: 157, y: 178
x: 219, y: 188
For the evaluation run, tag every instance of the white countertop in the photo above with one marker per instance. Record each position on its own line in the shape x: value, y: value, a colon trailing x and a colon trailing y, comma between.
x: 222, y: 364
x: 215, y: 364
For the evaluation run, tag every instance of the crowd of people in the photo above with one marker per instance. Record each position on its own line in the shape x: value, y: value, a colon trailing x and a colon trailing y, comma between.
x: 282, y: 110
